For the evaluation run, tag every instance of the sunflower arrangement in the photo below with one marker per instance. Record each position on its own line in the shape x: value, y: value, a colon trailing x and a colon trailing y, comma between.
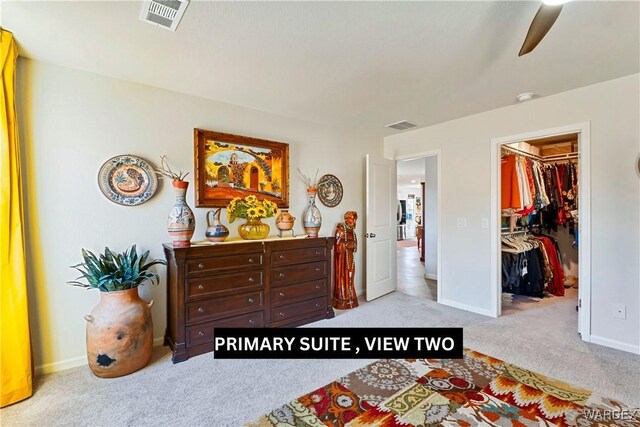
x: 250, y: 208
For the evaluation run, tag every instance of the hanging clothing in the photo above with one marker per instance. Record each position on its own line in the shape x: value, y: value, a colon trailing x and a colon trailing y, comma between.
x: 510, y: 191
x: 531, y: 265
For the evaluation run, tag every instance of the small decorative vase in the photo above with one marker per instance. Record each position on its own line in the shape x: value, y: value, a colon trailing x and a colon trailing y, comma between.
x: 311, y: 218
x: 119, y: 334
x: 284, y: 222
x: 216, y: 232
x: 254, y: 229
x: 181, y: 223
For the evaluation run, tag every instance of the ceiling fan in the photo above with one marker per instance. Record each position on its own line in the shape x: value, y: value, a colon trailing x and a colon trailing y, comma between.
x: 541, y: 24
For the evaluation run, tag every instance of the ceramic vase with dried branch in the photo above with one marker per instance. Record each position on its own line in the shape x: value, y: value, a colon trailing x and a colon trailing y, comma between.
x: 181, y: 222
x: 311, y: 217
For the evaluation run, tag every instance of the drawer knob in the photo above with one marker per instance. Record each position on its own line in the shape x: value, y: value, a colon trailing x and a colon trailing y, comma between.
x: 317, y: 268
x: 250, y: 260
x: 250, y: 279
x: 318, y: 252
x: 281, y: 275
x: 281, y: 294
x: 200, y: 333
x: 251, y: 322
x: 250, y: 300
x: 317, y: 286
x: 281, y: 314
x: 201, y: 286
x: 201, y: 265
x: 200, y: 310
x: 317, y: 305
x: 281, y: 257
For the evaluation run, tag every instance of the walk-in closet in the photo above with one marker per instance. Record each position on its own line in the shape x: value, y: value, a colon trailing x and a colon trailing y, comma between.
x: 540, y: 216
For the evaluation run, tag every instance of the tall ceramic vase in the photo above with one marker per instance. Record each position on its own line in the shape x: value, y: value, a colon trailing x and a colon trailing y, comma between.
x: 311, y: 218
x: 119, y: 334
x: 181, y: 223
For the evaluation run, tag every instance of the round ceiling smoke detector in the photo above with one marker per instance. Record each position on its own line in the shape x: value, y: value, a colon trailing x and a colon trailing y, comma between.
x: 523, y: 97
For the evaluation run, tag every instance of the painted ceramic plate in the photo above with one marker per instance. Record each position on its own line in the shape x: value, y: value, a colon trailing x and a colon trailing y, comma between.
x: 127, y: 180
x: 330, y: 190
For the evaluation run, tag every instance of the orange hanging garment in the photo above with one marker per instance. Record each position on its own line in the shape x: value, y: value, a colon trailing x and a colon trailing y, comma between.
x: 510, y: 191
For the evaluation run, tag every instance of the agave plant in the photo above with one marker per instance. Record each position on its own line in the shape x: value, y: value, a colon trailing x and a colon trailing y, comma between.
x: 110, y: 272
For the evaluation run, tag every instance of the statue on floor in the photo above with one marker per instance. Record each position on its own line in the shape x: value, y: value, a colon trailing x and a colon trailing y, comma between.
x: 346, y: 245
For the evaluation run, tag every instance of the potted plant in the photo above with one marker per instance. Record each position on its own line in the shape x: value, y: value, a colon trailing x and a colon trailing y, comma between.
x: 181, y: 222
x: 253, y: 210
x: 119, y: 329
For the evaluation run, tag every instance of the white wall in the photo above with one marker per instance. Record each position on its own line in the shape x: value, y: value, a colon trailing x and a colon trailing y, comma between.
x: 430, y: 219
x: 613, y: 110
x: 71, y: 122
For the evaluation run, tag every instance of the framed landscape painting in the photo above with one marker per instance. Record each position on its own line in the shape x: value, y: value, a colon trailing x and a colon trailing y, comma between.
x: 228, y: 166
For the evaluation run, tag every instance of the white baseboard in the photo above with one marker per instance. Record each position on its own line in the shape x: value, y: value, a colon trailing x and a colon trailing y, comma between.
x: 74, y: 362
x: 466, y: 307
x: 431, y: 276
x: 618, y: 345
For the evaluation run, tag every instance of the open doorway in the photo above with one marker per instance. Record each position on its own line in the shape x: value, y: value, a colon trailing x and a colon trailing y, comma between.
x: 540, y: 227
x: 418, y: 224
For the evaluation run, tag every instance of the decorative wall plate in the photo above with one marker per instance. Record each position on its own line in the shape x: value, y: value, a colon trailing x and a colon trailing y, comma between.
x: 127, y: 180
x: 330, y: 190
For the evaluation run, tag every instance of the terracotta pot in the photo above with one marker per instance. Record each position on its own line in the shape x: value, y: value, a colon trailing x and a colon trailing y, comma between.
x: 119, y: 334
x: 285, y: 220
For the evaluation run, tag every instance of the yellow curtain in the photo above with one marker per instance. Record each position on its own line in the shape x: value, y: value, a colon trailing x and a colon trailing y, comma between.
x: 15, y: 350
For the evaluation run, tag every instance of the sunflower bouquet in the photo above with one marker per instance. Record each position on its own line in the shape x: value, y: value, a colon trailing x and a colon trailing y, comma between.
x: 250, y: 208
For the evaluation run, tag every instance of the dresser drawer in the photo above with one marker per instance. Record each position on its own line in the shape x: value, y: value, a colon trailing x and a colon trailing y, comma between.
x: 291, y: 311
x: 298, y: 273
x: 301, y: 291
x: 298, y: 256
x: 223, y: 306
x: 204, y: 332
x: 221, y: 263
x: 198, y: 288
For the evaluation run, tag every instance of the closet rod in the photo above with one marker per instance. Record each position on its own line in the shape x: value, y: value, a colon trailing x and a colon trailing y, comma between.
x: 504, y: 233
x: 567, y: 156
x: 543, y: 159
x: 524, y: 153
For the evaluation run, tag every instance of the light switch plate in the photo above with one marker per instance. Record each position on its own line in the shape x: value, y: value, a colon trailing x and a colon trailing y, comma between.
x: 485, y: 223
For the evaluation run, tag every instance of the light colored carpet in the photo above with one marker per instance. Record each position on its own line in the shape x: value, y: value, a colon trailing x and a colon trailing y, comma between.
x: 204, y: 391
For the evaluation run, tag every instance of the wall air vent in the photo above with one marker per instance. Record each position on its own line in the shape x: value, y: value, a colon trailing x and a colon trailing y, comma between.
x: 402, y: 125
x: 163, y: 13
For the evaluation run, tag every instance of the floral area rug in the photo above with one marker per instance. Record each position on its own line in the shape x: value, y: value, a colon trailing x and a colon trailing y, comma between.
x: 477, y: 390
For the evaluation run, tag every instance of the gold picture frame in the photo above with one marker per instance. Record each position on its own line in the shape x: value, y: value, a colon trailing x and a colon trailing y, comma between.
x: 228, y: 166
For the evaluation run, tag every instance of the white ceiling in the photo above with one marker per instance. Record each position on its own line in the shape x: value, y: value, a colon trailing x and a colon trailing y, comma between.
x: 410, y: 170
x: 360, y: 65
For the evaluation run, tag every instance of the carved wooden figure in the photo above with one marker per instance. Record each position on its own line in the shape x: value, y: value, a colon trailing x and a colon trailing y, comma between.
x: 346, y: 245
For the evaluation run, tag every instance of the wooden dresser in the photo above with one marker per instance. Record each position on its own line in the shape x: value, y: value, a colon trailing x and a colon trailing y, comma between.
x: 244, y: 284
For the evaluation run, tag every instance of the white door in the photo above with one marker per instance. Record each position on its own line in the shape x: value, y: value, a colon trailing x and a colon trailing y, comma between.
x: 380, y: 227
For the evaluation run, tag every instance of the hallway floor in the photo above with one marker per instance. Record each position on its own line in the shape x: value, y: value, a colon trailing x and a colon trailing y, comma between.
x: 411, y: 280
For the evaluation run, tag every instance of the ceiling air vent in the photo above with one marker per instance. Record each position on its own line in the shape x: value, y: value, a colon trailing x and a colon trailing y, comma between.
x: 163, y: 13
x: 401, y: 125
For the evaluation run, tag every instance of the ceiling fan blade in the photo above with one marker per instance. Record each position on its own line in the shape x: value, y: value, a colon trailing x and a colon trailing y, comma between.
x: 540, y: 26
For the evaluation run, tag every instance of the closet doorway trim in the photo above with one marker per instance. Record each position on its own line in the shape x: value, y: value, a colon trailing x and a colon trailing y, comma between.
x: 438, y: 154
x: 584, y: 191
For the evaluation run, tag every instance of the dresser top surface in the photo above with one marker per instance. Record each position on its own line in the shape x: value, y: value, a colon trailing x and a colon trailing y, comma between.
x: 244, y: 246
